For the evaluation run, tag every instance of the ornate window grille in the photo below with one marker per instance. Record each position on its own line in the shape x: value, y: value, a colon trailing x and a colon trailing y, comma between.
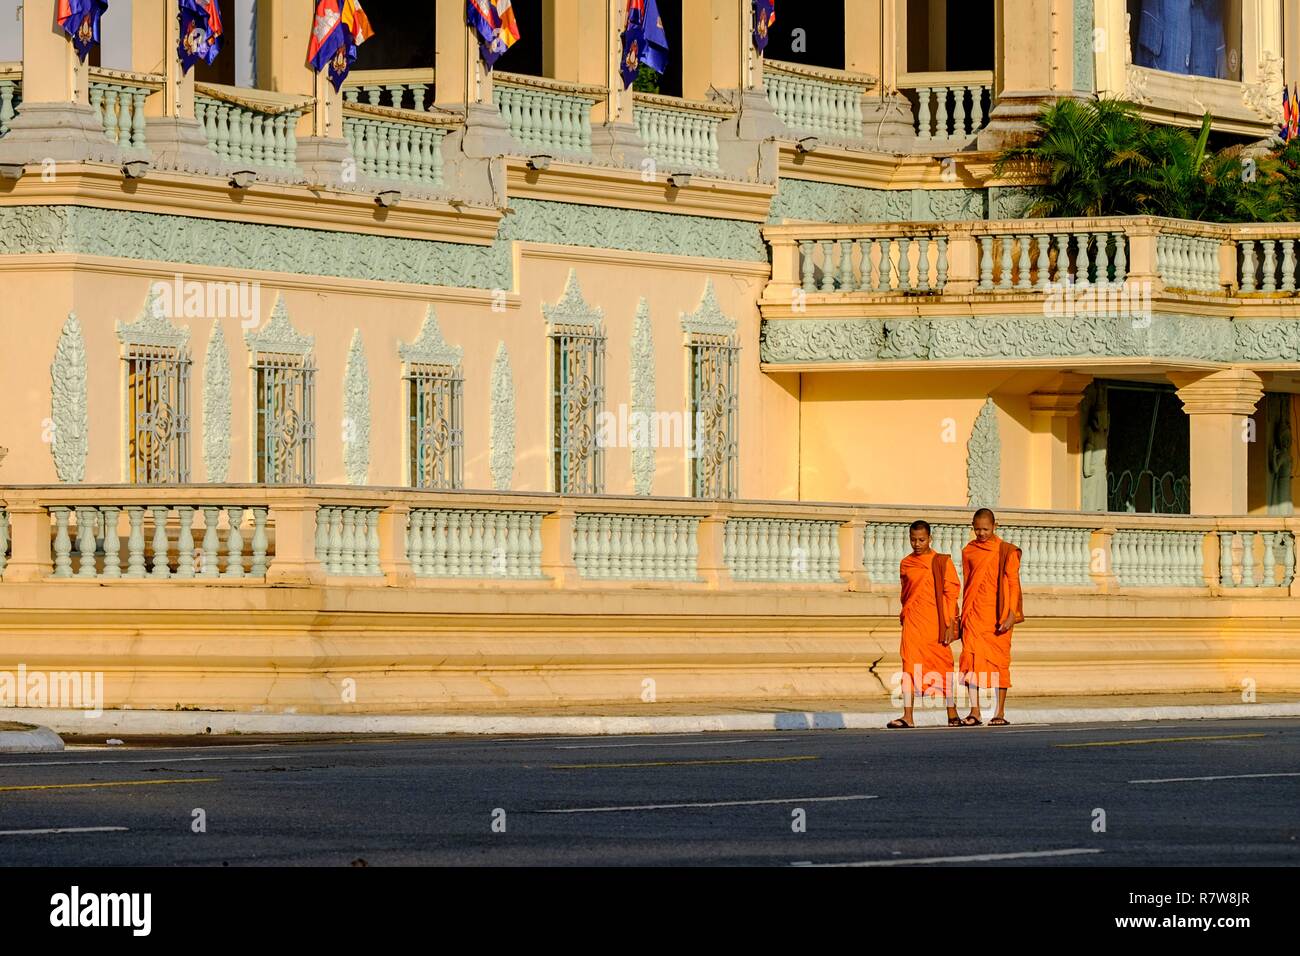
x: 577, y: 392
x: 156, y: 362
x: 713, y: 349
x: 158, y: 414
x: 284, y: 396
x: 435, y: 431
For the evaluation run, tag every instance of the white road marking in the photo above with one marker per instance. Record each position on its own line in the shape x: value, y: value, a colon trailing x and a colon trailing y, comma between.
x: 63, y: 830
x: 974, y: 858
x: 1231, y: 776
x: 723, y: 803
x: 678, y: 743
x: 78, y: 763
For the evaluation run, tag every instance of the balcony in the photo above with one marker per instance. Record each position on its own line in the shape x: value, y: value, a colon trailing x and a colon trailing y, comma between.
x: 950, y: 109
x: 1051, y: 290
x: 248, y: 127
x: 547, y: 116
x: 813, y: 101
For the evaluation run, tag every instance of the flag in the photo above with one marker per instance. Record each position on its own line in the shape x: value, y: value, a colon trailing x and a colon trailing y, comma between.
x: 1294, y: 125
x: 644, y: 40
x: 80, y: 20
x: 494, y: 22
x: 764, y: 17
x: 200, y: 32
x: 1285, y: 132
x: 339, y: 28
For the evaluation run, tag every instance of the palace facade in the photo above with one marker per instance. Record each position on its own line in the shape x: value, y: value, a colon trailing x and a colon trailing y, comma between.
x: 516, y: 387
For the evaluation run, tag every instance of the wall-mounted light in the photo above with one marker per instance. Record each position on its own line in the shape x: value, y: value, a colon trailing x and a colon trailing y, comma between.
x: 808, y: 144
x: 12, y: 170
x: 242, y: 179
x: 135, y: 168
x: 389, y: 197
x: 540, y: 161
x: 679, y: 180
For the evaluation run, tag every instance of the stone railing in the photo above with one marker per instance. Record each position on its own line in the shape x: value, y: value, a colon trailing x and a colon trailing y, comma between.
x: 118, y: 97
x: 402, y: 146
x: 250, y: 127
x: 680, y: 134
x: 398, y: 537
x: 950, y: 107
x: 396, y: 89
x: 11, y: 93
x: 545, y: 115
x: 1247, y: 262
x: 815, y: 100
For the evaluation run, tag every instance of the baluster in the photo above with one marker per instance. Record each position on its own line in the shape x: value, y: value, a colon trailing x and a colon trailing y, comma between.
x: 1023, y: 281
x: 436, y: 542
x: 923, y: 264
x: 137, y: 119
x: 884, y: 278
x: 85, y: 542
x: 1247, y: 559
x: 1270, y: 265
x: 135, y: 543
x: 1005, y: 282
x: 904, y: 264
x: 986, y: 262
x: 1063, y: 274
x: 846, y: 265
x: 959, y: 126
x: 1247, y: 265
x: 112, y: 544
x: 1121, y: 257
x: 1268, y: 573
x: 110, y: 113
x: 234, y: 543
x: 372, y: 542
x: 923, y: 114
x: 185, y: 542
x: 828, y: 266
x: 807, y: 279
x: 209, y: 556
x: 1225, y: 559
x: 942, y: 280
x: 159, y: 543
x: 1043, y: 261
x: 1288, y: 265
x: 864, y: 265
x: 1103, y: 257
x: 62, y: 543
x: 944, y: 115
x: 455, y: 564
x: 1288, y: 558
x: 260, y: 543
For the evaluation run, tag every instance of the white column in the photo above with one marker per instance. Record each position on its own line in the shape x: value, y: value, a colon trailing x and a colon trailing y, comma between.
x: 244, y: 42
x: 115, y: 36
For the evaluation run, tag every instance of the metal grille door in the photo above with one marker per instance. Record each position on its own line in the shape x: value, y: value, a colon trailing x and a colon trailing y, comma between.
x: 713, y: 417
x: 286, y: 419
x: 436, y: 432
x: 578, y: 398
x: 158, y: 414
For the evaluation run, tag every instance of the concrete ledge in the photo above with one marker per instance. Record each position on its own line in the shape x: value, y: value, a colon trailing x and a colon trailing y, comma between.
x: 191, y: 723
x: 28, y: 739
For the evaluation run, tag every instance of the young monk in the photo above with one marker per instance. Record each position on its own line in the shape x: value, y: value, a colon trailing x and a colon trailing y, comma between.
x: 991, y: 607
x: 929, y: 619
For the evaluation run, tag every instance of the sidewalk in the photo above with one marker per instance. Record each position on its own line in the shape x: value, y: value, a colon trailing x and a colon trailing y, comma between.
x: 681, y: 718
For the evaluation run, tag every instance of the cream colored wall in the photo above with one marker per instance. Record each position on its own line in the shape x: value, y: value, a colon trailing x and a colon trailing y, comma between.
x: 37, y: 302
x: 901, y: 437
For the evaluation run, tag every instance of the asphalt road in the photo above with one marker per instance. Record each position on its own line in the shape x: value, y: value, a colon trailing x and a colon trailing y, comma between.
x: 1021, y: 795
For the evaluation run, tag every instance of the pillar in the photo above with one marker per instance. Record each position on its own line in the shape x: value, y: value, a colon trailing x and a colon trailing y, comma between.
x: 871, y: 29
x: 1031, y: 66
x: 1055, y: 444
x: 175, y: 136
x: 56, y: 122
x: 243, y: 42
x: 614, y: 136
x: 1219, y: 406
x: 283, y: 35
x: 464, y: 83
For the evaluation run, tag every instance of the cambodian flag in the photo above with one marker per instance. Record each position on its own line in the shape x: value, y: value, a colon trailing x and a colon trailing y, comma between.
x: 200, y: 32
x: 494, y: 22
x: 644, y: 40
x: 339, y: 28
x: 80, y: 20
x: 1295, y: 114
x: 764, y: 17
x: 1285, y: 132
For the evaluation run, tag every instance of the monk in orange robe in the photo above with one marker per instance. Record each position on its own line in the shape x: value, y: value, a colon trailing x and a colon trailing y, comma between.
x: 929, y: 619
x: 991, y: 607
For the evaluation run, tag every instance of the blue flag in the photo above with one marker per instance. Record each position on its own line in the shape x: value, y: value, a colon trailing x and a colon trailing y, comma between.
x: 200, y: 32
x: 764, y: 17
x: 80, y: 20
x: 644, y: 40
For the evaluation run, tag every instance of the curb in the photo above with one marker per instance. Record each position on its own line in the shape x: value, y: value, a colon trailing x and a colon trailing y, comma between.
x: 37, y: 740
x: 199, y: 723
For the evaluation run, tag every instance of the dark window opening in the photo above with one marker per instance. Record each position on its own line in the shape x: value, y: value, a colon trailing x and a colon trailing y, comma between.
x: 401, y: 42
x: 525, y: 56
x: 804, y: 34
x: 962, y: 42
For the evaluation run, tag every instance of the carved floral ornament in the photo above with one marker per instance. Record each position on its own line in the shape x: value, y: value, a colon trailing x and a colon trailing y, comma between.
x: 278, y: 336
x: 429, y: 347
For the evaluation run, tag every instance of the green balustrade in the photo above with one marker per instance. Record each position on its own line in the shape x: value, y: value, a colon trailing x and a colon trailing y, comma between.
x: 548, y: 120
x: 636, y: 547
x: 1052, y: 557
x: 814, y: 106
x: 1256, y: 559
x: 389, y: 149
x: 119, y: 107
x: 781, y: 550
x: 679, y: 138
x: 347, y: 540
x: 1158, y: 559
x: 1192, y: 263
x: 455, y: 543
x: 242, y: 135
x: 88, y: 542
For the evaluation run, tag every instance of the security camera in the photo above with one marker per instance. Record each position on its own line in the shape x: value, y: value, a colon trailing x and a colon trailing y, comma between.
x: 389, y: 197
x: 540, y: 161
x: 135, y: 168
x: 679, y: 180
x: 808, y: 144
x: 243, y: 178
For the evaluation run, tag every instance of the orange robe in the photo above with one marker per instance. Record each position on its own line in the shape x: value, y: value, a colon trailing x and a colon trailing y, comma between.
x: 927, y: 663
x: 986, y: 655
